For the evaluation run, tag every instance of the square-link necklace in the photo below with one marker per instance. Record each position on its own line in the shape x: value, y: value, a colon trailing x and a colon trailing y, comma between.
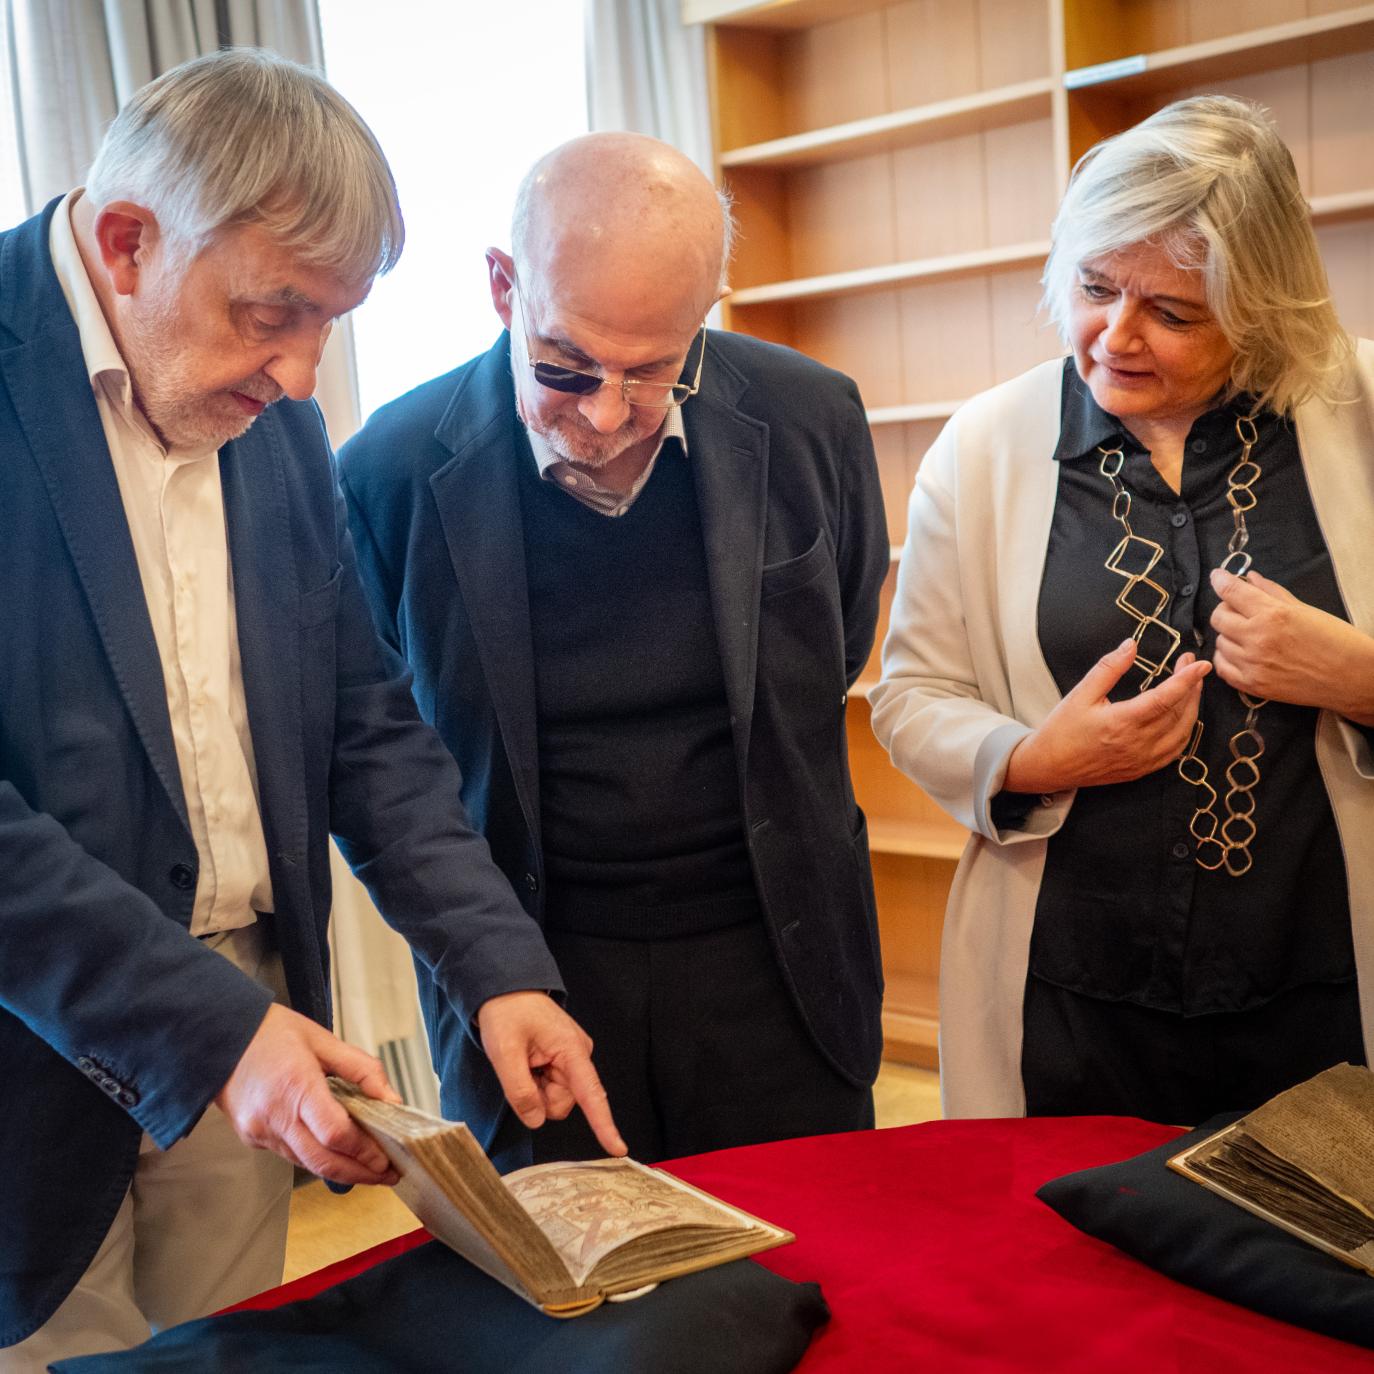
x: 1220, y: 844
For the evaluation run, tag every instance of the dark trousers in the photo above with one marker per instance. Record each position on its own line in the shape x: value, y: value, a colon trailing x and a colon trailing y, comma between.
x: 1086, y: 1057
x: 699, y: 1047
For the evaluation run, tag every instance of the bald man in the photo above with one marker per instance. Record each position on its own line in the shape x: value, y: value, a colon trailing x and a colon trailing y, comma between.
x: 634, y: 565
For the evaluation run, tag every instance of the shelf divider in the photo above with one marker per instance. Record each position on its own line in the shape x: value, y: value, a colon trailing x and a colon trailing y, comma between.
x: 905, y: 414
x: 901, y: 128
x: 1346, y: 205
x: 1224, y: 59
x: 893, y: 274
x: 773, y: 14
x: 941, y: 839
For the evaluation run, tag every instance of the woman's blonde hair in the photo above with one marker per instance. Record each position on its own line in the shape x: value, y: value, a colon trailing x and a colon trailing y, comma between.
x: 1210, y: 180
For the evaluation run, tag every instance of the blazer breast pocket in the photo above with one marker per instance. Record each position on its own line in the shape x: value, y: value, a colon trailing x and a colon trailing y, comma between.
x: 796, y: 572
x: 321, y: 604
x: 801, y: 639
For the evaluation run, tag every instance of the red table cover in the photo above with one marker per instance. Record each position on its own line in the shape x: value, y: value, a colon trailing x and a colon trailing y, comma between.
x: 935, y: 1255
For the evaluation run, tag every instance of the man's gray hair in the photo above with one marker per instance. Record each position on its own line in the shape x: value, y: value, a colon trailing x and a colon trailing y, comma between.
x: 1210, y: 180
x: 727, y: 248
x: 243, y: 136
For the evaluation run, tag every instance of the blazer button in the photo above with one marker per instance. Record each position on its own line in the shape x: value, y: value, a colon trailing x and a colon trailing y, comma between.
x: 182, y: 876
x: 86, y: 1066
x: 128, y: 1098
x: 531, y: 882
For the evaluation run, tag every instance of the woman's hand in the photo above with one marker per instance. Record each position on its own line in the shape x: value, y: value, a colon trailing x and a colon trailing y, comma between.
x: 1271, y: 645
x: 1087, y: 741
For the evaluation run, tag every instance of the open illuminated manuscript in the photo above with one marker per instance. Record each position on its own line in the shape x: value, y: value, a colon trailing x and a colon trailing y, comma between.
x: 563, y: 1236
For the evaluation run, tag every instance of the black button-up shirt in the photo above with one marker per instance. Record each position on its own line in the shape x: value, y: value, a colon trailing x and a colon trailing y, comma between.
x: 1124, y: 912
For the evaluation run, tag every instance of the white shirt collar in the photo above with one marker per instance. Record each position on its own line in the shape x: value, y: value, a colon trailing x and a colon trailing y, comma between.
x: 104, y: 365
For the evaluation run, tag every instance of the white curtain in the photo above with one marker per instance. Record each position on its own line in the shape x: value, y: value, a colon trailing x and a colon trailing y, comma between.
x: 77, y: 61
x: 646, y: 72
x: 72, y: 64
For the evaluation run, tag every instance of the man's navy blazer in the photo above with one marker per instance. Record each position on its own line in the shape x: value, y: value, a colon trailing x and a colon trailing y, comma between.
x: 797, y: 548
x: 113, y: 1019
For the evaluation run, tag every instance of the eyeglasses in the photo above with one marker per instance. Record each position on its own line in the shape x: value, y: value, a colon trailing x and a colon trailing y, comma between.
x: 575, y: 382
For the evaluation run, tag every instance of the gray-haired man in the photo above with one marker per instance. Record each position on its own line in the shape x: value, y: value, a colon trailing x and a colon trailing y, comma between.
x: 191, y: 699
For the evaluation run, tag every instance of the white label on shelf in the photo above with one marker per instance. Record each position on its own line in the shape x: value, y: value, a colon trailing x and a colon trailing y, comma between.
x: 1104, y: 71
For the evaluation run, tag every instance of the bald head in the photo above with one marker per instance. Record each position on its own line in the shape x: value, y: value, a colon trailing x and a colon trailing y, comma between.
x: 625, y: 219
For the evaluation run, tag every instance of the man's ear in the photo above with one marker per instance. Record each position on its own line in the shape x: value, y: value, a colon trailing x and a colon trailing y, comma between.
x: 501, y: 279
x: 126, y: 235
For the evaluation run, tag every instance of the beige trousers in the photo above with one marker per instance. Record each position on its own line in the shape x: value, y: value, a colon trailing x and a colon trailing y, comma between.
x: 202, y: 1226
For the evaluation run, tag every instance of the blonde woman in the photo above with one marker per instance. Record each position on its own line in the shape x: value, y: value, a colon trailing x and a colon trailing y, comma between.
x: 1131, y: 650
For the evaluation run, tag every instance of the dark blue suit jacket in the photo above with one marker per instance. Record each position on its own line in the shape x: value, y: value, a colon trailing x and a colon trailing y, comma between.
x: 113, y: 1019
x: 797, y: 548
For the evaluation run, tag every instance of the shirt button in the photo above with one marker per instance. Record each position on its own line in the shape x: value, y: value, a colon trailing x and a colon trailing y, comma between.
x: 1198, y: 446
x: 1180, y: 849
x: 1187, y: 589
x: 182, y: 876
x: 1178, y: 519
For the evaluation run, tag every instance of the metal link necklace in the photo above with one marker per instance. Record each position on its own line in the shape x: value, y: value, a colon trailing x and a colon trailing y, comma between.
x: 1220, y: 844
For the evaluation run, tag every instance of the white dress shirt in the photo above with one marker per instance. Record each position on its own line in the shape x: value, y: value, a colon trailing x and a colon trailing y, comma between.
x: 174, y: 507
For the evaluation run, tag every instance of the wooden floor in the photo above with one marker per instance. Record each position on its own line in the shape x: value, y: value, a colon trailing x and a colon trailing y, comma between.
x: 326, y: 1226
x: 329, y: 1226
x: 903, y: 1095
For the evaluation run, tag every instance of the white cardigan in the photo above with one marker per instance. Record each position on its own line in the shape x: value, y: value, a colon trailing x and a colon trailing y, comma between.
x: 964, y: 680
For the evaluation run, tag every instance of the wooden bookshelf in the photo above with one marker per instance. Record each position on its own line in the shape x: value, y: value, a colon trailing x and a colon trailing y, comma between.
x: 893, y: 274
x: 1234, y: 54
x: 900, y: 415
x: 895, y: 166
x: 1349, y: 205
x: 771, y: 14
x: 901, y: 129
x: 911, y: 1023
x: 917, y: 839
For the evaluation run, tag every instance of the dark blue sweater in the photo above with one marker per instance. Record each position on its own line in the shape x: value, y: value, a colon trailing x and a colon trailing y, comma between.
x: 640, y: 808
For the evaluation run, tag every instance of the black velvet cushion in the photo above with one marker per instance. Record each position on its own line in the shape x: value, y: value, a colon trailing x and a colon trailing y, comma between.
x: 429, y: 1310
x: 1189, y: 1233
